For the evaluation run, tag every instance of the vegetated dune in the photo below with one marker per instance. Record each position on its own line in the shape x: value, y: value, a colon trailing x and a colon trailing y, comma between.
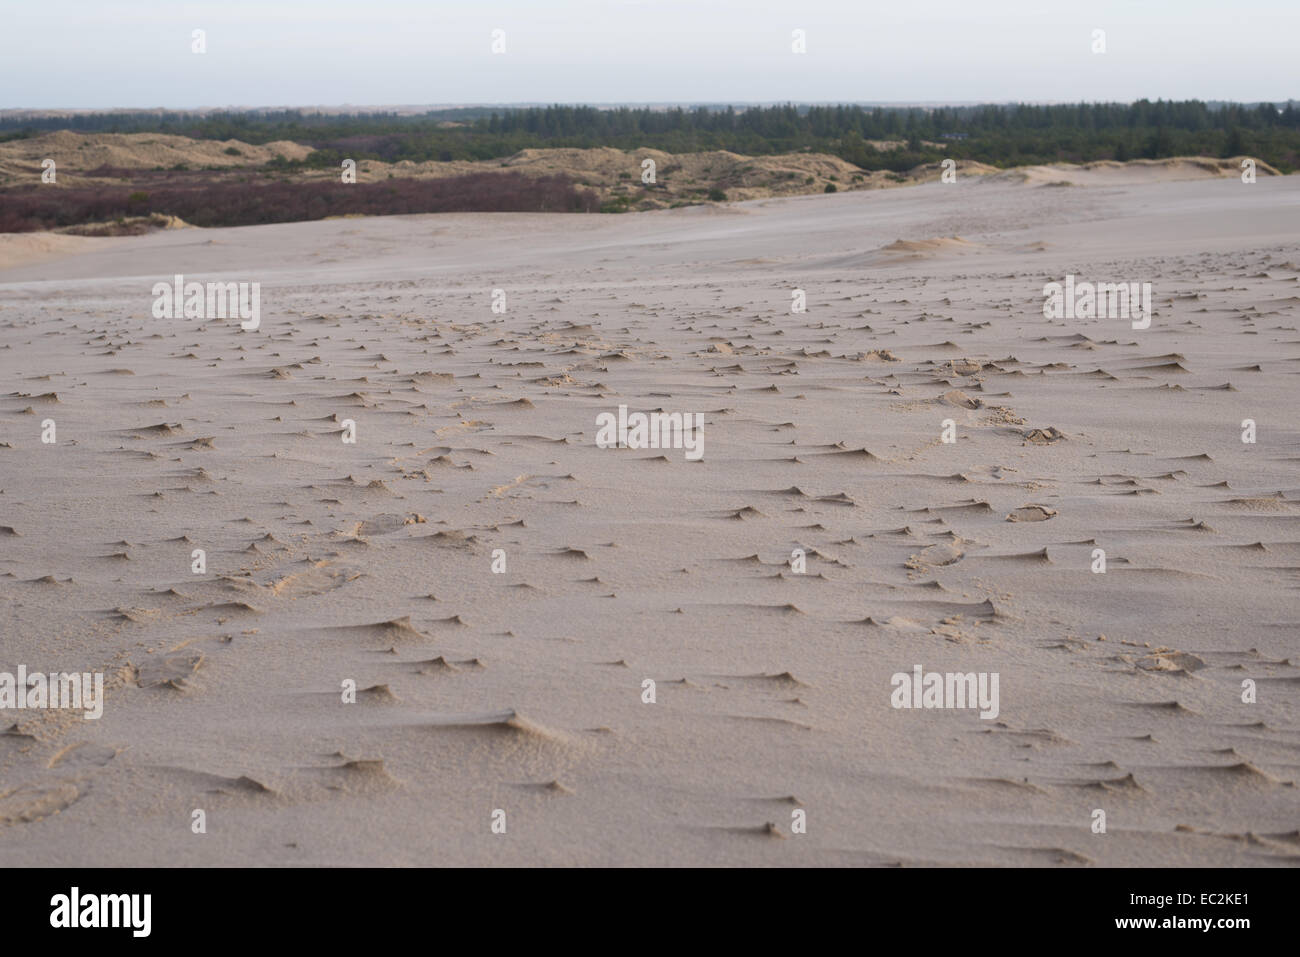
x: 148, y: 180
x: 1133, y: 172
x: 76, y: 154
x: 611, y: 171
x: 616, y: 175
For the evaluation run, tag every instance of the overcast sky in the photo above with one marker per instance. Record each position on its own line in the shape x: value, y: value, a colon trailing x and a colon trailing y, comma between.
x: 137, y: 53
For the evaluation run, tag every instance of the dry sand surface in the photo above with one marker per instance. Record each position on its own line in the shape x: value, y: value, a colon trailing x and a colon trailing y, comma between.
x: 522, y: 691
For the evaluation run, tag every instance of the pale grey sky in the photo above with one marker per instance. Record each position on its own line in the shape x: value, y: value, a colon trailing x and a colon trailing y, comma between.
x: 137, y: 53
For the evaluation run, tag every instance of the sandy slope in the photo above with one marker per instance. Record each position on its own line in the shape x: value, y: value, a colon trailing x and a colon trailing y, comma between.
x: 522, y: 691
x: 77, y: 154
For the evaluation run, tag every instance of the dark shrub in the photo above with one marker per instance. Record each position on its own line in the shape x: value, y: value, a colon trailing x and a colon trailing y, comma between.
x: 230, y: 203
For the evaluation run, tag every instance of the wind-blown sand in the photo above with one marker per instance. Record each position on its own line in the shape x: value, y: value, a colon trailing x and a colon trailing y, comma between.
x: 522, y: 691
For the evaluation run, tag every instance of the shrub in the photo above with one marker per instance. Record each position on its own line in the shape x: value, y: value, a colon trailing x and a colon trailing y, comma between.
x: 229, y: 203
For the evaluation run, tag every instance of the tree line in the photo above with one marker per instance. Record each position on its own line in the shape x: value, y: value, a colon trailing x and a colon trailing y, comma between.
x: 1000, y: 135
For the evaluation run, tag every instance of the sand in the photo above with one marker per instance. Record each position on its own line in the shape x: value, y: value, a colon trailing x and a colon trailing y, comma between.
x: 77, y: 155
x: 522, y: 691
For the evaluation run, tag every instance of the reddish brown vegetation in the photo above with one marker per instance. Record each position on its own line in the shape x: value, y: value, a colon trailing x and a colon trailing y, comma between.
x: 223, y: 202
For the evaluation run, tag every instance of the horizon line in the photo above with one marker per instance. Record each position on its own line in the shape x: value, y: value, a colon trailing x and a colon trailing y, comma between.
x: 611, y: 104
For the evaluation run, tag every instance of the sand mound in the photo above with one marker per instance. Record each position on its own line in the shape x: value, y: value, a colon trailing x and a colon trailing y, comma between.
x: 21, y: 249
x: 1131, y: 173
x: 928, y: 248
x: 76, y: 154
x: 616, y: 175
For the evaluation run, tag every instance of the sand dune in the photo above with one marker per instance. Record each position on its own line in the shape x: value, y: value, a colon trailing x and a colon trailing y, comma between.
x: 77, y: 154
x: 495, y: 590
